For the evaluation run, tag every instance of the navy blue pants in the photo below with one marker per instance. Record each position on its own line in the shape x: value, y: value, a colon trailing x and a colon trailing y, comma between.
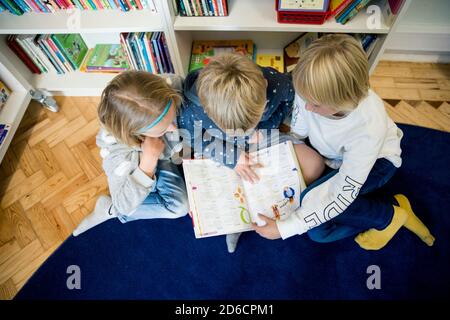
x: 368, y: 210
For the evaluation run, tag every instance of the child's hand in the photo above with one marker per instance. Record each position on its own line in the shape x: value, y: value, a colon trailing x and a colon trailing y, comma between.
x: 269, y: 231
x: 151, y: 149
x: 244, y: 168
x: 257, y: 137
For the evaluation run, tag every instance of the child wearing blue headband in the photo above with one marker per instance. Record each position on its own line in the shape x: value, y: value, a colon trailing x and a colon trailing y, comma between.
x: 137, y: 112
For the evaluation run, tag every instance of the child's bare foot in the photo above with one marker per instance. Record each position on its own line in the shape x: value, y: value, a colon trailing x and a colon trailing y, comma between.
x: 374, y: 239
x: 413, y: 223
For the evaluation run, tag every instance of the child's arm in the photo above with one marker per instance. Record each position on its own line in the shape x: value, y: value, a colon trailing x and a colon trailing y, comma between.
x: 129, y: 185
x: 324, y: 201
x: 299, y: 124
x: 280, y: 97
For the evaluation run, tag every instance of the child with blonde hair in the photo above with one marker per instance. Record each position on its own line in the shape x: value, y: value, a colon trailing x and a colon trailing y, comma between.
x: 346, y: 122
x: 230, y: 106
x: 137, y: 111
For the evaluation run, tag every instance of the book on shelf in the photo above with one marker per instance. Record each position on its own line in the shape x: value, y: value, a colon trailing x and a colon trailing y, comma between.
x: 5, y: 92
x: 336, y: 6
x: 58, y: 54
x: 221, y: 202
x: 202, y: 8
x: 345, y: 10
x: 303, y: 5
x: 204, y: 50
x: 294, y: 49
x: 351, y: 11
x: 4, y: 131
x: 368, y: 41
x: 72, y: 46
x: 105, y: 58
x: 389, y: 10
x: 147, y: 51
x: 19, y: 7
x: 21, y: 54
x: 270, y: 60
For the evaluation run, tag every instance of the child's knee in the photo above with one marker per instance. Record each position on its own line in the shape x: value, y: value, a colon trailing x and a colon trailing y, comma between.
x: 179, y: 206
x: 317, y: 235
x: 311, y: 162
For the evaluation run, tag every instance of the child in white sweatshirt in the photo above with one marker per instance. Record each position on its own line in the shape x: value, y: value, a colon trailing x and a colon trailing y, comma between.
x: 346, y: 122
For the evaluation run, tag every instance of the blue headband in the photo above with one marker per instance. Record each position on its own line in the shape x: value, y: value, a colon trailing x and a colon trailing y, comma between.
x: 157, y: 120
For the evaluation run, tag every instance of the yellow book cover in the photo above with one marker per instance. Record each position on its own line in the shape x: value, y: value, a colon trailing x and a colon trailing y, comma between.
x: 83, y: 67
x: 271, y: 60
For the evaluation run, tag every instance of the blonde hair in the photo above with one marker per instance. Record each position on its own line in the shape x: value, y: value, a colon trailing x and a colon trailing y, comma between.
x: 131, y: 101
x: 333, y: 72
x: 232, y: 90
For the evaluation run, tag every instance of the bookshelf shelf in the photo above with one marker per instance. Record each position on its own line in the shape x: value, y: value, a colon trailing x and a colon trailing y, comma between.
x: 102, y: 21
x: 248, y: 15
x: 74, y: 83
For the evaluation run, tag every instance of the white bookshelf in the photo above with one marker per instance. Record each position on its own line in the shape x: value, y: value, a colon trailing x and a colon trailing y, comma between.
x: 251, y: 15
x: 256, y: 20
x: 248, y: 19
x: 76, y: 21
x: 16, y: 104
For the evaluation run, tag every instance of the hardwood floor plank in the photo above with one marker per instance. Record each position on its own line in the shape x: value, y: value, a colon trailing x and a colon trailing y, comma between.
x: 7, y: 290
x: 8, y: 249
x: 20, y: 260
x: 66, y: 160
x: 83, y: 134
x: 68, y: 130
x: 28, y: 185
x: 27, y: 160
x: 53, y: 184
x: 14, y: 221
x: 85, y: 193
x: 45, y: 228
x: 88, y: 164
x: 46, y: 159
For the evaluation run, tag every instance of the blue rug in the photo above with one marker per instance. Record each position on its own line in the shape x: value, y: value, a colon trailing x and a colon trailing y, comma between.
x: 161, y: 259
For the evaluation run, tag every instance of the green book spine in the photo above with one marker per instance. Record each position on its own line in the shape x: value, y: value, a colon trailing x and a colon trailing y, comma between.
x: 14, y: 8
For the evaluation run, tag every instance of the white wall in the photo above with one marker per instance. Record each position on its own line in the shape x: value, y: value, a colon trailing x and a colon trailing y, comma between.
x: 423, y: 34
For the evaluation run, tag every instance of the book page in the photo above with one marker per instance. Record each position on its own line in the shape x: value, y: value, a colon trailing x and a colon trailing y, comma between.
x: 277, y: 194
x: 216, y: 198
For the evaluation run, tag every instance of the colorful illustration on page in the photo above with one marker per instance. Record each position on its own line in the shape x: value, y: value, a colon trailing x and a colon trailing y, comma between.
x: 245, y: 215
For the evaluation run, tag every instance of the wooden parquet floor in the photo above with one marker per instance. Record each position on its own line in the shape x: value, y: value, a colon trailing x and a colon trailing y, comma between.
x: 51, y: 175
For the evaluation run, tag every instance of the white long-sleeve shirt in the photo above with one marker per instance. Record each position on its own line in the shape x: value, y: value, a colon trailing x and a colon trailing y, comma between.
x: 352, y: 144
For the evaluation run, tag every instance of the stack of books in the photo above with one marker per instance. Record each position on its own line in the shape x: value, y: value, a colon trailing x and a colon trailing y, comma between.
x: 203, y: 8
x: 19, y: 7
x: 368, y: 41
x: 147, y: 51
x: 57, y: 53
x: 346, y: 10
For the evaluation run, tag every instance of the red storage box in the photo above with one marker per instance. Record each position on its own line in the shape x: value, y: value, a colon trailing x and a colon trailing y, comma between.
x: 301, y: 17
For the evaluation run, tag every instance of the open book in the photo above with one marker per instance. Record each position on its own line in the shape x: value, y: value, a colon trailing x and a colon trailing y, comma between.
x: 222, y: 203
